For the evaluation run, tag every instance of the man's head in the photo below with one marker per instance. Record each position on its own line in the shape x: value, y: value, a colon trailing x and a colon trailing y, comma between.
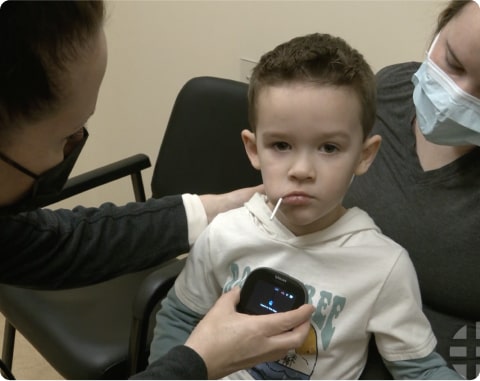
x: 38, y: 42
x: 53, y: 58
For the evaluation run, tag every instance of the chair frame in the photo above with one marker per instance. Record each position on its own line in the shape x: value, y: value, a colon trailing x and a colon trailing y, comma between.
x: 131, y: 166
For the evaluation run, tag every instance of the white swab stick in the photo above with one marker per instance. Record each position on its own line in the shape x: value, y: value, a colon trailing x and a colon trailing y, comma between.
x: 276, y: 208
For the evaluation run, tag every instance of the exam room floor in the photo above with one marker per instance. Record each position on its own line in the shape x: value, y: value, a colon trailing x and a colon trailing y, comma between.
x: 28, y: 364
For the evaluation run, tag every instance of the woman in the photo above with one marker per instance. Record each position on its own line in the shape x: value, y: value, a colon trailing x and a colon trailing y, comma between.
x: 423, y: 187
x: 52, y: 61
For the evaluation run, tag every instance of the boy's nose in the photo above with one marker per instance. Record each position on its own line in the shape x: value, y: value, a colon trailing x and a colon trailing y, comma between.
x: 302, y: 168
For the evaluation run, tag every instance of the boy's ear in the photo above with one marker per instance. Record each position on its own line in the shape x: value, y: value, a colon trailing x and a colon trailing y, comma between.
x: 369, y: 151
x: 250, y: 143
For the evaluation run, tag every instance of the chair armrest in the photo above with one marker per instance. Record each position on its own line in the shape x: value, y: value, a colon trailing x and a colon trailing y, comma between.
x: 130, y: 166
x: 152, y: 290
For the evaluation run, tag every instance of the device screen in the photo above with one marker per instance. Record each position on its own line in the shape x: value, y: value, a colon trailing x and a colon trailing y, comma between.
x: 267, y: 298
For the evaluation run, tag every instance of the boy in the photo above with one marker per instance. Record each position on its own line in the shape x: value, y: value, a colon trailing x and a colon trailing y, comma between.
x: 312, y: 107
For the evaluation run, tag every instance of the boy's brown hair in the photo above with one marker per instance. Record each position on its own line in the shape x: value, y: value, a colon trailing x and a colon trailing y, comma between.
x: 320, y: 59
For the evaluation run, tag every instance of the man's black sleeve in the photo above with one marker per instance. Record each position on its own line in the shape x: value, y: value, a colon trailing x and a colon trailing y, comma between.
x: 180, y: 363
x: 49, y: 249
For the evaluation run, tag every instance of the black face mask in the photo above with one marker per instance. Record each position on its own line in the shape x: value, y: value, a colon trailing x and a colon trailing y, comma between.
x: 47, y: 185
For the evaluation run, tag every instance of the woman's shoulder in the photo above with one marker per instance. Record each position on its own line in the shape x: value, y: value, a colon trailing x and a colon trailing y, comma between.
x: 397, y: 73
x: 394, y: 94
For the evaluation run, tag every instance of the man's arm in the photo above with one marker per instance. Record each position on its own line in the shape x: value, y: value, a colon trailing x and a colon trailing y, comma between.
x: 49, y: 249
x: 174, y: 324
x: 226, y: 341
x: 180, y: 363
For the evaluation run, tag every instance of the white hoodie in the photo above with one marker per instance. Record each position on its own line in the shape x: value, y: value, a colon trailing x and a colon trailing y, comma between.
x: 360, y: 281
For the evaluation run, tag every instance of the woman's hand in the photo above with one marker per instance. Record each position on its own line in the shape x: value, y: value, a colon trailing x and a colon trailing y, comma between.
x: 229, y: 341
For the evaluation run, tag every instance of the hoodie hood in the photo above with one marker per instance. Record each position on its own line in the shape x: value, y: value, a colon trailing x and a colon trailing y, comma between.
x: 353, y: 221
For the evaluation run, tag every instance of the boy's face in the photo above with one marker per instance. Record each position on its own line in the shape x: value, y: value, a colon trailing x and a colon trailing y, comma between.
x: 308, y: 145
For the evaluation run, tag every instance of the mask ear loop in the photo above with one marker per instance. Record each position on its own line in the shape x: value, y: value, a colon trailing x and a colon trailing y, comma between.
x: 429, y: 51
x: 18, y: 166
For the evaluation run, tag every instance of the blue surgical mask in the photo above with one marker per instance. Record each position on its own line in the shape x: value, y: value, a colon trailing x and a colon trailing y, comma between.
x: 446, y: 114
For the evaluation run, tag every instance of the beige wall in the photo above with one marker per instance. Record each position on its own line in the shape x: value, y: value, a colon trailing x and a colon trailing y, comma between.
x: 155, y: 46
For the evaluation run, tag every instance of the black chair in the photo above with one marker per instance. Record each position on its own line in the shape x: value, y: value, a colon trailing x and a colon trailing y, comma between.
x: 81, y: 332
x: 201, y: 152
x: 209, y: 157
x: 103, y: 331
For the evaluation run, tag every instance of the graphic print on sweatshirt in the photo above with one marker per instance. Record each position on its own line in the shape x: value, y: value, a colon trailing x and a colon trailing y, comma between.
x: 299, y: 363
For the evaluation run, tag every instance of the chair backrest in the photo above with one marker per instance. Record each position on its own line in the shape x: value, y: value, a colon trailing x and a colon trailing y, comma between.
x: 202, y: 151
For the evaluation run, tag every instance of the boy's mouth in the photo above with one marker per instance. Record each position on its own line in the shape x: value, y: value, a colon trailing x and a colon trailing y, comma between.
x: 297, y: 198
x: 294, y: 199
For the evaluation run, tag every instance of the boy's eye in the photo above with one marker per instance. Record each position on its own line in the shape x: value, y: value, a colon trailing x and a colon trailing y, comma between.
x: 329, y: 148
x: 281, y: 146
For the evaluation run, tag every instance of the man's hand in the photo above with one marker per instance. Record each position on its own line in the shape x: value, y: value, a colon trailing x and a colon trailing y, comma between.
x: 229, y: 341
x: 218, y: 203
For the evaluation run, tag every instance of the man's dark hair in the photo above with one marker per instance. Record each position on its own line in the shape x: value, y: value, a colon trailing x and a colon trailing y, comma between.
x: 38, y: 39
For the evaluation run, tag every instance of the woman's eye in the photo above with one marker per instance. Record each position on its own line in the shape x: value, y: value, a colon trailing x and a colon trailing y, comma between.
x: 453, y: 64
x: 455, y: 68
x: 329, y: 148
x: 281, y: 146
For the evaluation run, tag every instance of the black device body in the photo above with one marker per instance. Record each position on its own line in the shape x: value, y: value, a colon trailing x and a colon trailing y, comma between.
x: 267, y: 291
